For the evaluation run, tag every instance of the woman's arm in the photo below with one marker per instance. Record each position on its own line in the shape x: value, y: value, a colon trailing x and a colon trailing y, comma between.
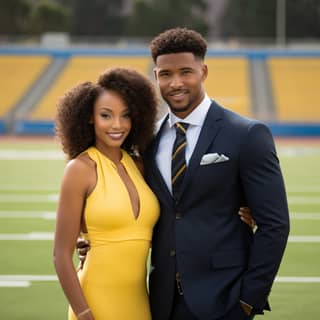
x: 74, y: 189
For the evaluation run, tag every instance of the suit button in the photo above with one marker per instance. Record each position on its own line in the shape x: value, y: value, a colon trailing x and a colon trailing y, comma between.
x: 178, y: 215
x: 172, y: 253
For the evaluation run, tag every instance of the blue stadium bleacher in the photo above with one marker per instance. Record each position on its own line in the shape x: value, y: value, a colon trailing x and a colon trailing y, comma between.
x: 293, y: 75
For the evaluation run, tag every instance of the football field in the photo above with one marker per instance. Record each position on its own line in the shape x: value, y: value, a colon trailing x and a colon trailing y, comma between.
x: 31, y: 171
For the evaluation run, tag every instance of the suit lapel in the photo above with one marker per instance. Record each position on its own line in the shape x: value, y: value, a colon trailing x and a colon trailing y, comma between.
x: 209, y: 131
x: 161, y: 185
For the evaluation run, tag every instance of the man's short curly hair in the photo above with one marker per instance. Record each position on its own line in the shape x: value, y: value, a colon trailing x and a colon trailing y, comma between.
x: 75, y: 109
x: 178, y: 40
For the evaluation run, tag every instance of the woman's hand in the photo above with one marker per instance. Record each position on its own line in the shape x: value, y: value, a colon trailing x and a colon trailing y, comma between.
x: 246, y: 217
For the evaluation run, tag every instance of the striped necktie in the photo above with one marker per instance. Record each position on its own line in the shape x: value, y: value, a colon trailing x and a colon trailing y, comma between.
x: 178, y: 159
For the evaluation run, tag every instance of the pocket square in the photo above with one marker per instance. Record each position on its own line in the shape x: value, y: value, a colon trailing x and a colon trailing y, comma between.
x: 213, y: 158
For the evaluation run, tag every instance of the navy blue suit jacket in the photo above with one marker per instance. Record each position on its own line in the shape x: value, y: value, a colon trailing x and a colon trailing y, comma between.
x: 219, y: 258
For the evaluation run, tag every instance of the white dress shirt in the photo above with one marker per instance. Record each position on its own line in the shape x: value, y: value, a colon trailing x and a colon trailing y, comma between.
x: 195, y: 120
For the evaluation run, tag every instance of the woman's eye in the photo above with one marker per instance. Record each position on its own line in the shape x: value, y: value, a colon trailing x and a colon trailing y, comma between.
x: 104, y: 115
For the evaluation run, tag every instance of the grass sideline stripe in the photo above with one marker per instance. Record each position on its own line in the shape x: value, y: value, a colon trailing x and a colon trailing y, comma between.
x: 305, y: 216
x: 37, y: 236
x: 28, y: 277
x: 304, y: 239
x: 31, y: 155
x: 33, y: 236
x: 15, y: 284
x: 49, y: 215
x: 54, y: 197
x: 298, y: 279
x: 25, y: 280
x: 24, y: 187
x: 27, y: 198
x: 304, y: 200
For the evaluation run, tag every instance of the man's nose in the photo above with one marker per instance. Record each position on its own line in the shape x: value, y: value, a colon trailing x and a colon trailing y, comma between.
x: 176, y: 82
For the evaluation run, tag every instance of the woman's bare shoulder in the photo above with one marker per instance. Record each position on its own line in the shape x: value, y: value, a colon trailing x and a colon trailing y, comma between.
x: 80, y: 167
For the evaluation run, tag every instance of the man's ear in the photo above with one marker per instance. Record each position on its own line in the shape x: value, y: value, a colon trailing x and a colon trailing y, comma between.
x: 204, y: 72
x: 155, y: 73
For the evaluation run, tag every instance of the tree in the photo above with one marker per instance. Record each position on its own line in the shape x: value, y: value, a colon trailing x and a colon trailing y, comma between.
x: 254, y: 18
x: 14, y: 15
x: 97, y: 17
x: 153, y: 16
x: 250, y: 18
x: 303, y: 19
x: 49, y: 16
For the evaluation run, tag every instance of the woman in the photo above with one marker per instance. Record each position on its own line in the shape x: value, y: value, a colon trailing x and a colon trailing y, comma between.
x: 103, y: 194
x: 103, y: 129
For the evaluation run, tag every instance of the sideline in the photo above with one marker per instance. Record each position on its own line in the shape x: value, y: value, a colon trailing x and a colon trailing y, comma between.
x: 43, y: 236
x: 24, y: 281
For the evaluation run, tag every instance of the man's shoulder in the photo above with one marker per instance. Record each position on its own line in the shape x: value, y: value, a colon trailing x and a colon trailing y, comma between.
x: 235, y: 119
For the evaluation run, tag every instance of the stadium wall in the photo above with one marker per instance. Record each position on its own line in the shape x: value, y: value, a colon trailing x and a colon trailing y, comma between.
x: 282, y: 129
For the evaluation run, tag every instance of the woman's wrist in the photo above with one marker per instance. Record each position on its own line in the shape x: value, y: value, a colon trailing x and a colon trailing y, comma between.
x: 82, y: 313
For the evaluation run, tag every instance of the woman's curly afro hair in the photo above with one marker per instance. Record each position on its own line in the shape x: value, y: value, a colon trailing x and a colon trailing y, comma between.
x: 139, y: 94
x: 75, y: 109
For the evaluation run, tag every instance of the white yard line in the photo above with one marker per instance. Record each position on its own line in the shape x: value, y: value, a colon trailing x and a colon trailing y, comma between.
x: 54, y: 197
x: 303, y: 200
x: 51, y: 215
x: 22, y: 281
x: 28, y: 277
x: 48, y: 215
x: 38, y: 236
x: 31, y: 155
x: 33, y: 236
x: 298, y: 279
x: 28, y: 187
x: 29, y: 198
x: 14, y: 284
x: 304, y: 239
x: 305, y: 216
x: 298, y: 151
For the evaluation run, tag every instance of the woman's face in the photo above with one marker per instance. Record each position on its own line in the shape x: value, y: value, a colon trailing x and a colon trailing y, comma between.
x: 111, y: 120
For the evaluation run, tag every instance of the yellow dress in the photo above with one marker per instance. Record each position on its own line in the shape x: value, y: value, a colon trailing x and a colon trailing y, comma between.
x: 113, y: 278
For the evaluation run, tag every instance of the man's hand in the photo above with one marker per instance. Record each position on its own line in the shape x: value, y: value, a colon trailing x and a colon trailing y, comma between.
x: 83, y: 246
x: 246, y: 308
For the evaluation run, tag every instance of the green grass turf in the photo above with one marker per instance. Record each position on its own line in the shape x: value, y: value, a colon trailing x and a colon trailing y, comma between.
x: 25, y: 225
x: 26, y: 257
x: 45, y: 300
x: 293, y: 302
x: 301, y: 259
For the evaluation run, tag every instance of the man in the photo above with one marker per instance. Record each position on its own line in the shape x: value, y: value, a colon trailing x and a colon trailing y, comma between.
x: 207, y: 264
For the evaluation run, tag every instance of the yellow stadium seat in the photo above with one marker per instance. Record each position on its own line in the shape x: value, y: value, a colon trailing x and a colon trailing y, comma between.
x: 17, y: 74
x: 79, y: 69
x: 228, y: 83
x: 296, y: 83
